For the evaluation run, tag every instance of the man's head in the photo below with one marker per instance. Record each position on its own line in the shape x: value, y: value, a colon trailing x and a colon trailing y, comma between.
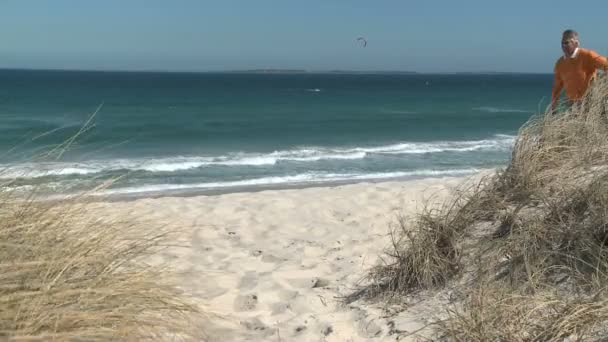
x: 569, y: 42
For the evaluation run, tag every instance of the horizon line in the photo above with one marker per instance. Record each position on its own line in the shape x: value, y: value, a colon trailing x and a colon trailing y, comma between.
x: 278, y: 71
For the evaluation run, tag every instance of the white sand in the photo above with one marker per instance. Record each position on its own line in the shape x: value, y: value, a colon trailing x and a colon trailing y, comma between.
x: 272, y: 265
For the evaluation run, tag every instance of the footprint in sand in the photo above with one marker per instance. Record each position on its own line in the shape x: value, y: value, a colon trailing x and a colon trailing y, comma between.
x: 246, y: 302
x: 327, y: 330
x: 279, y: 308
x: 256, y: 253
x: 261, y: 329
x: 309, y: 283
x: 248, y: 281
x: 269, y: 258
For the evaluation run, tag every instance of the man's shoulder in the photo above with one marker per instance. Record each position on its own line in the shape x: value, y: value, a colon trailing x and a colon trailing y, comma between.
x: 587, y: 52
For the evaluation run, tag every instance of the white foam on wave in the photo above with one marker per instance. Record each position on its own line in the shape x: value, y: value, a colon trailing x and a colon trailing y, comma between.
x: 315, y: 154
x: 314, y: 90
x: 501, y: 110
x: 499, y: 142
x: 36, y: 170
x: 305, y: 178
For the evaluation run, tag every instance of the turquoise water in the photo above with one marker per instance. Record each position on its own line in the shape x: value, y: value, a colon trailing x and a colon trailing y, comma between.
x: 171, y: 131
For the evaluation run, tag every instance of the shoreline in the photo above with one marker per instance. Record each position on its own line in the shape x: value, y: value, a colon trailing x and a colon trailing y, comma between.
x: 195, y: 192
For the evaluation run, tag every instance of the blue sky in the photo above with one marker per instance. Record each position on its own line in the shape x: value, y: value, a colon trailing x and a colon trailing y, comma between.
x: 188, y: 35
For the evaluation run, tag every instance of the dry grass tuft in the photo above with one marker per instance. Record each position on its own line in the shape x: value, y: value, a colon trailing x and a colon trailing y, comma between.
x: 68, y: 274
x: 426, y: 252
x: 527, y: 247
x: 556, y: 152
x: 494, y: 313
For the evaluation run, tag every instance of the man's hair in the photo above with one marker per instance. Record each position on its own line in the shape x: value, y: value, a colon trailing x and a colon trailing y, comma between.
x: 570, y: 34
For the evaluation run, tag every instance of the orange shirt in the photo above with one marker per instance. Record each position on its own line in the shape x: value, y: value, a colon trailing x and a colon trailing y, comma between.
x: 576, y: 73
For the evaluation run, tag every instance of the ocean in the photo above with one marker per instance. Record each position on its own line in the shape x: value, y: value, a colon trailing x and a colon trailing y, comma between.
x: 210, y: 132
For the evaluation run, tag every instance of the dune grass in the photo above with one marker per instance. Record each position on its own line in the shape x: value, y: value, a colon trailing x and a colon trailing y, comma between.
x: 527, y: 246
x: 69, y: 273
x: 426, y: 252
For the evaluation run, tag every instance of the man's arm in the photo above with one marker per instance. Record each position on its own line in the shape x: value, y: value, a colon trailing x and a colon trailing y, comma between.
x: 558, y: 85
x: 598, y: 61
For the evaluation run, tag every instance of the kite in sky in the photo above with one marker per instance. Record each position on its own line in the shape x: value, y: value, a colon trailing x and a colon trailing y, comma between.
x: 363, y: 41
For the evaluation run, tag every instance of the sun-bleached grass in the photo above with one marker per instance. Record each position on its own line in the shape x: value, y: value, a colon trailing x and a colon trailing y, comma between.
x: 68, y: 274
x: 498, y: 313
x: 71, y: 273
x: 426, y: 251
x: 526, y: 247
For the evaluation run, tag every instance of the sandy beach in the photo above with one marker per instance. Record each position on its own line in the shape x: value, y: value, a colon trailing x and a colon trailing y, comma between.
x: 273, y: 265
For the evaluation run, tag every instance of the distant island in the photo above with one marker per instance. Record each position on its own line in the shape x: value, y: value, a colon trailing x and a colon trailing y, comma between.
x: 301, y: 71
x: 367, y: 72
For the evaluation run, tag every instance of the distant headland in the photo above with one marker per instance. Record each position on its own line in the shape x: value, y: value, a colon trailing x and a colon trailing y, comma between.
x: 302, y: 71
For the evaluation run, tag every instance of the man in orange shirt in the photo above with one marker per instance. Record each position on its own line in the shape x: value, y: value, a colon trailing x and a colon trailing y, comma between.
x: 575, y: 70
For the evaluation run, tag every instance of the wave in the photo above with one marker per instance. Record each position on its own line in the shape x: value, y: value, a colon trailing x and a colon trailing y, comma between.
x: 314, y: 90
x: 501, y: 110
x: 305, y: 178
x: 397, y: 111
x: 501, y: 143
x: 300, y: 155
